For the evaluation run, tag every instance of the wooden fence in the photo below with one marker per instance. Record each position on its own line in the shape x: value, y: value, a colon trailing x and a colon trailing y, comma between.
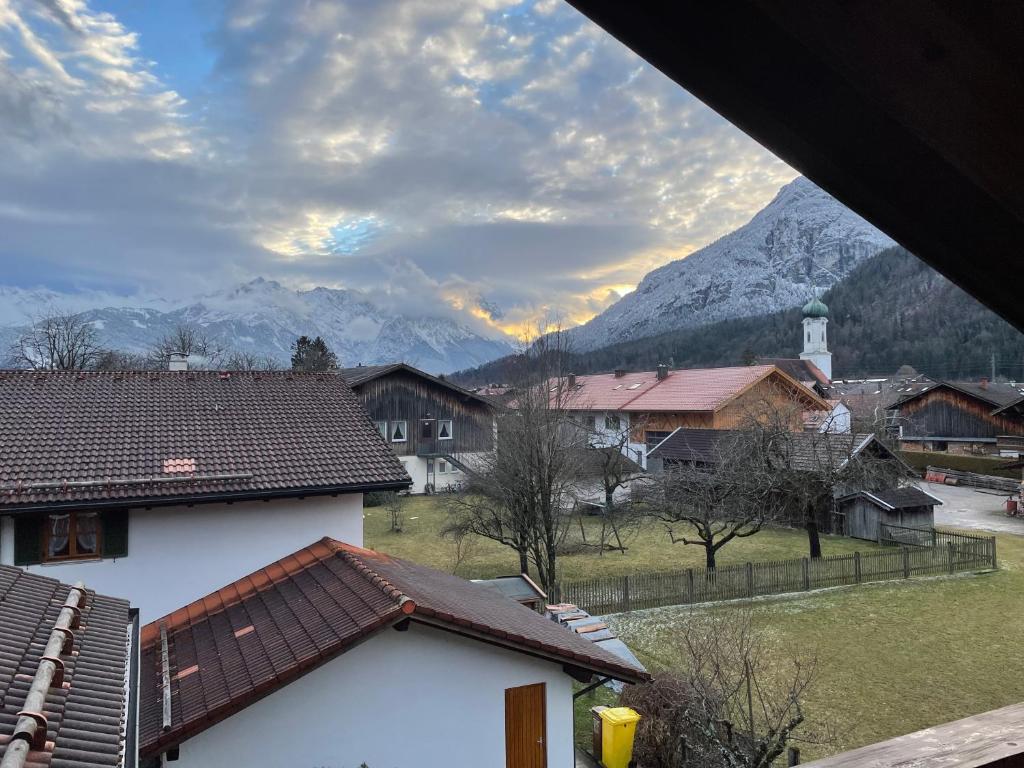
x: 951, y: 553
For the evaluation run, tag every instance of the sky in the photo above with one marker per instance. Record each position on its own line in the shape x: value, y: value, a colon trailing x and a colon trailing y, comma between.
x: 505, y: 163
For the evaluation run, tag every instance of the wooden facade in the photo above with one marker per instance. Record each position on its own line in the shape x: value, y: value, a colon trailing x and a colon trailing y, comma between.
x: 945, y: 412
x: 863, y: 517
x: 423, y: 403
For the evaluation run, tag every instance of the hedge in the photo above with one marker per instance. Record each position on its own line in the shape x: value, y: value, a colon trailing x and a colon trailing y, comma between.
x: 983, y: 465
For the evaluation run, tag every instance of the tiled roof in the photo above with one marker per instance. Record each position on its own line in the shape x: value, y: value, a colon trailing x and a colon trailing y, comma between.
x: 696, y: 389
x: 253, y: 636
x: 86, y: 714
x: 801, y: 370
x: 810, y: 451
x: 69, y: 437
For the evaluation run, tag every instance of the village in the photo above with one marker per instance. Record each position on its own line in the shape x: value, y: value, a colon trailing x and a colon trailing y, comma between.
x: 511, y: 384
x: 270, y: 539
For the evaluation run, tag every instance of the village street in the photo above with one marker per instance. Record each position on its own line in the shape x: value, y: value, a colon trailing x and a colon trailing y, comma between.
x: 972, y: 508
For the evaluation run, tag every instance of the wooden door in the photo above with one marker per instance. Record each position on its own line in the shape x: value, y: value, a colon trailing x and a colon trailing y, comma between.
x: 526, y: 742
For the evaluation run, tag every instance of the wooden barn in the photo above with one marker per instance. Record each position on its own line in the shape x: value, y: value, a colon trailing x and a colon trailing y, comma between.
x: 864, y: 512
x: 433, y: 426
x: 961, y: 417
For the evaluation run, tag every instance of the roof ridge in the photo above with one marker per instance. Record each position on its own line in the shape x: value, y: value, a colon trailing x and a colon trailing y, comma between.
x: 348, y: 553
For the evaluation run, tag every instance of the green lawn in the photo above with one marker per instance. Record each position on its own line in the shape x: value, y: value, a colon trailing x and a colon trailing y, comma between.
x: 892, y: 658
x: 650, y: 550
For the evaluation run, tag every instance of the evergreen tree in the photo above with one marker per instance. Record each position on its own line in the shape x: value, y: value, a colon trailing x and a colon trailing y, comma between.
x: 312, y: 355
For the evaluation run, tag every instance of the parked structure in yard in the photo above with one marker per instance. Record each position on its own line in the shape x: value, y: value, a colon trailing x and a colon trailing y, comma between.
x: 401, y: 665
x: 521, y: 588
x: 67, y: 681
x: 160, y: 485
x: 864, y: 512
x: 958, y: 417
x: 433, y: 426
x: 645, y: 407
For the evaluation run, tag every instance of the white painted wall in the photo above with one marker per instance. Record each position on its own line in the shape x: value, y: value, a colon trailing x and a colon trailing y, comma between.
x: 178, y: 554
x: 602, y: 435
x: 424, y: 698
x: 416, y: 466
x: 816, y: 344
x: 839, y: 420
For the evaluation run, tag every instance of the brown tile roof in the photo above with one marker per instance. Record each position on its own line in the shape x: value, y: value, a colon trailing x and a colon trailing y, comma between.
x: 695, y: 389
x: 86, y: 715
x: 267, y: 629
x: 801, y: 370
x: 124, y: 437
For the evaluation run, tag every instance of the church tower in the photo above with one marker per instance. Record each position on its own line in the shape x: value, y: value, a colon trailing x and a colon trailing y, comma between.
x: 815, y: 338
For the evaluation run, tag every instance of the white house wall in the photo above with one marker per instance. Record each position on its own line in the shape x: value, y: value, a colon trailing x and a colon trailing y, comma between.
x: 603, y: 436
x: 178, y: 554
x: 423, y: 698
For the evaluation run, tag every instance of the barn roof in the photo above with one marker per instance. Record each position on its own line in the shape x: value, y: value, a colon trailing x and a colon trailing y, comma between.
x: 257, y: 634
x: 162, y: 437
x: 358, y: 375
x: 996, y: 394
x: 898, y: 498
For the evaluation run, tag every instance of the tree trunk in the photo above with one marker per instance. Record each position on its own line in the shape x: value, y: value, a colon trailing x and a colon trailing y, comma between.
x: 709, y: 556
x: 524, y: 564
x: 812, y: 537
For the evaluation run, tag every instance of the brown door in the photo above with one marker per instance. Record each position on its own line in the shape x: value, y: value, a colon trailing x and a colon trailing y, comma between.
x: 525, y: 727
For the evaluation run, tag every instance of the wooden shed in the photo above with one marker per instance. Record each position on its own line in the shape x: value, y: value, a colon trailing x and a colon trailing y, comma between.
x: 863, y: 512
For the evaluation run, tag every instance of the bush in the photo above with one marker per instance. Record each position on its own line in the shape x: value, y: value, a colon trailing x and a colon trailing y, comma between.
x: 982, y: 465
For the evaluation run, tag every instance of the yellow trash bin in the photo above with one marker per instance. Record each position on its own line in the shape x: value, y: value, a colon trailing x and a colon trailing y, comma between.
x: 617, y: 732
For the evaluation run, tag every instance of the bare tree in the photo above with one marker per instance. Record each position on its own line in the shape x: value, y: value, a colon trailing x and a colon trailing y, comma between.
x: 118, y: 360
x: 57, y: 340
x: 735, y: 703
x: 613, y: 470
x: 236, y: 360
x: 522, y: 495
x: 714, y: 501
x: 191, y: 342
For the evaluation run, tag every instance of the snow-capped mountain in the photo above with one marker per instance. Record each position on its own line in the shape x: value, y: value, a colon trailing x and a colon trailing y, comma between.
x: 803, y: 241
x: 264, y: 317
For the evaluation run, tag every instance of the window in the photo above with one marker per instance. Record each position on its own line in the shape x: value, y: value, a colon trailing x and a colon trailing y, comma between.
x: 654, y: 436
x: 442, y: 467
x: 444, y: 429
x: 427, y: 429
x: 611, y: 421
x: 382, y: 427
x: 398, y: 431
x: 71, y: 535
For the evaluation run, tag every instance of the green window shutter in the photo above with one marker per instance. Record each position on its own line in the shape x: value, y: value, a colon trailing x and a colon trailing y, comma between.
x: 28, y: 539
x: 115, y: 533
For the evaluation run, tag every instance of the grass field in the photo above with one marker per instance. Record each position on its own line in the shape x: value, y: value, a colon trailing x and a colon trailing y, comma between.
x: 892, y: 658
x: 650, y: 550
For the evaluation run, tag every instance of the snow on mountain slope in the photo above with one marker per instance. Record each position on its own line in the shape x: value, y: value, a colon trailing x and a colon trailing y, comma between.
x: 264, y: 317
x: 803, y: 240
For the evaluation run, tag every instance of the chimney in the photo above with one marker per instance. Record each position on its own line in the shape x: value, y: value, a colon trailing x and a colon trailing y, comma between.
x: 572, y: 380
x: 983, y: 383
x: 178, y: 362
x: 620, y: 372
x: 662, y: 371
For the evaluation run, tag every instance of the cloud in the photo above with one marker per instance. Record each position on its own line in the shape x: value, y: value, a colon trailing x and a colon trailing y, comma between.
x: 497, y: 161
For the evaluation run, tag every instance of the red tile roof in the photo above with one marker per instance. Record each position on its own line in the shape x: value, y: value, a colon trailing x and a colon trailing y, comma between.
x: 269, y: 628
x: 160, y: 436
x: 696, y: 389
x: 86, y: 714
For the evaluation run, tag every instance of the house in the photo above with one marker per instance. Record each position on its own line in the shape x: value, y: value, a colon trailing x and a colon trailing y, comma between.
x: 839, y: 418
x: 433, y: 426
x: 639, y: 410
x: 159, y: 485
x: 865, y: 511
x: 958, y: 417
x: 339, y: 656
x: 806, y: 452
x: 67, y: 684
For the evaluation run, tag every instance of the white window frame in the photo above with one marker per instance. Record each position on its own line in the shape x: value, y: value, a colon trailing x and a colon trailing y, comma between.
x: 442, y: 467
x: 618, y: 422
x: 451, y: 428
x: 405, y: 431
x: 382, y: 427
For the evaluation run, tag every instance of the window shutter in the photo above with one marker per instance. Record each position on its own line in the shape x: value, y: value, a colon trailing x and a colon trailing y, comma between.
x: 115, y: 533
x: 28, y: 535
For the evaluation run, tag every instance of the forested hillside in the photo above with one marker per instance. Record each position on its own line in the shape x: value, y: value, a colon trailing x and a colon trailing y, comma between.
x: 892, y: 310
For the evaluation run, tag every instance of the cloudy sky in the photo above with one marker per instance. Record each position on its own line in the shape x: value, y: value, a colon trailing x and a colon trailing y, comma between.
x: 505, y: 161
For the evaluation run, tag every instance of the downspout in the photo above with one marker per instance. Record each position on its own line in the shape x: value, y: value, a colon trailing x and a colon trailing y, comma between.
x: 30, y: 730
x: 131, y: 749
